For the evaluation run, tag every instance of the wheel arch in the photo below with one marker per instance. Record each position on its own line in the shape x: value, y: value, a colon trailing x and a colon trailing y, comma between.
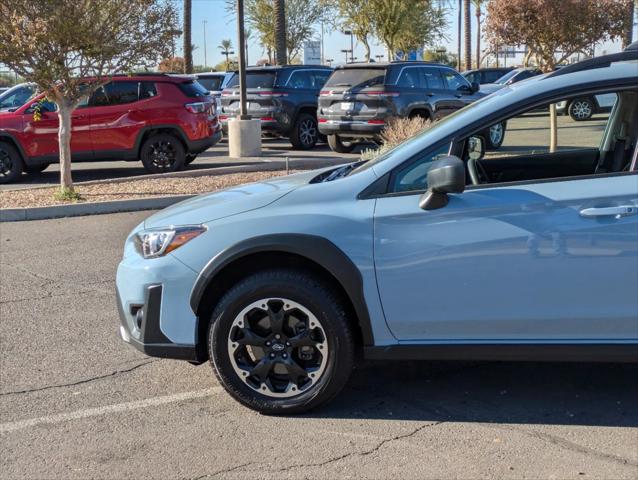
x: 8, y: 138
x: 305, y: 108
x: 306, y: 252
x: 149, y: 130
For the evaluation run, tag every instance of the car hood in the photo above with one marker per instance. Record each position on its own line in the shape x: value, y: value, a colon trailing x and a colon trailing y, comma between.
x: 488, y: 88
x: 231, y: 201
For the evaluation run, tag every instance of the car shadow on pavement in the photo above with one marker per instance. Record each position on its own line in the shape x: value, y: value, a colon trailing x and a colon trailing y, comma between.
x: 491, y: 392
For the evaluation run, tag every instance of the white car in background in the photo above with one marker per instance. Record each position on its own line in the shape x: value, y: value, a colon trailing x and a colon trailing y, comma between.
x: 16, y: 96
x: 214, y: 82
x: 583, y: 108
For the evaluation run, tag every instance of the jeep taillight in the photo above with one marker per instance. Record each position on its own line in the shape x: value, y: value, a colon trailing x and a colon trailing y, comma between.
x: 197, y: 107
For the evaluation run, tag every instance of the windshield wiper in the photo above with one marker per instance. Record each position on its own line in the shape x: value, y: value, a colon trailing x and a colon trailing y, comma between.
x: 342, y: 171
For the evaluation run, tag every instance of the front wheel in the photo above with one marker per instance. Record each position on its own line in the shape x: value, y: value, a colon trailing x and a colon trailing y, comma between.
x: 162, y: 153
x: 280, y: 342
x: 581, y: 109
x: 304, y: 133
x: 11, y: 165
x: 336, y: 144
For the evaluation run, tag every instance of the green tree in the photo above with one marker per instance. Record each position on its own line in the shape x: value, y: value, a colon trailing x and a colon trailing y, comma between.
x: 356, y: 16
x: 69, y: 56
x: 188, y: 41
x: 553, y: 31
x: 226, y: 46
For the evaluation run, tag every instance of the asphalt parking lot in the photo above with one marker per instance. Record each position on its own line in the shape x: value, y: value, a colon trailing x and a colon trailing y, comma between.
x: 76, y: 402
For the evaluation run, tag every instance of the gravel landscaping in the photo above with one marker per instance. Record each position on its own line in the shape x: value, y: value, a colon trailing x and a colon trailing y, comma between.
x: 156, y: 187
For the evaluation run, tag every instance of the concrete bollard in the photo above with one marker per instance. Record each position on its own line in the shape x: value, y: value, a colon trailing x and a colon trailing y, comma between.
x: 244, y: 138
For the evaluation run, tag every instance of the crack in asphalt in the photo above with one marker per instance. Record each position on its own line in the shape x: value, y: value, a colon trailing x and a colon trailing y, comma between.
x: 219, y: 472
x: 29, y: 272
x: 569, y: 445
x: 80, y: 382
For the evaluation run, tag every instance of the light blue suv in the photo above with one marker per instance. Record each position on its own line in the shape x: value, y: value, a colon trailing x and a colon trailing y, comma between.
x: 434, y: 250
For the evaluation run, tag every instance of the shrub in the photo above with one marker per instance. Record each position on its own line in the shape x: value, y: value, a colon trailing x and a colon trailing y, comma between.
x: 397, y: 131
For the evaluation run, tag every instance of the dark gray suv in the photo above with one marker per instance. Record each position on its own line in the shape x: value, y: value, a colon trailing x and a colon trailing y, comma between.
x: 284, y: 98
x: 358, y: 99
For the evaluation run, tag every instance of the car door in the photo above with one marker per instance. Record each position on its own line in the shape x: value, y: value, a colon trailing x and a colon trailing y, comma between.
x: 458, y: 88
x: 116, y: 118
x: 436, y: 95
x: 552, y: 260
x: 43, y: 132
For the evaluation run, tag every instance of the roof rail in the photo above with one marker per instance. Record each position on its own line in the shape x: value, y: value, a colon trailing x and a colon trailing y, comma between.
x: 597, y: 62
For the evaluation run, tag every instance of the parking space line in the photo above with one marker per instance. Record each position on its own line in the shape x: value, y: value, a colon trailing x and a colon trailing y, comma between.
x: 107, y: 410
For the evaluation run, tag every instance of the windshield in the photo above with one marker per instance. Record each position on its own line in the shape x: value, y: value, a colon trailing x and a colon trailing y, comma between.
x: 356, y: 77
x: 504, y: 79
x: 213, y: 83
x: 16, y: 97
x: 255, y: 80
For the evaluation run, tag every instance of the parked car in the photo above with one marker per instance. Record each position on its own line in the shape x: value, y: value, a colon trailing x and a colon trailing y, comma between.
x: 214, y: 82
x: 162, y: 120
x: 426, y: 252
x: 583, y: 108
x: 486, y: 75
x: 359, y: 99
x: 284, y: 98
x: 16, y: 96
x: 510, y: 78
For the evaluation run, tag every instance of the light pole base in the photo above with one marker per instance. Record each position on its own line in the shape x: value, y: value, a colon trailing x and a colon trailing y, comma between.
x: 244, y: 138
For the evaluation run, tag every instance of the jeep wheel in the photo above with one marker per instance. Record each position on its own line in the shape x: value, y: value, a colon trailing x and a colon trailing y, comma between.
x: 11, y: 164
x: 33, y: 169
x: 494, y: 136
x: 338, y: 145
x: 162, y: 153
x: 304, y: 133
x: 581, y: 109
x: 280, y: 342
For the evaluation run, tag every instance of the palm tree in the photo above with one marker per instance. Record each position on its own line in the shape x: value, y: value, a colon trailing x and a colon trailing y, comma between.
x: 188, y: 46
x: 458, y: 58
x: 248, y: 33
x: 478, y: 4
x: 280, y: 32
x: 467, y: 25
x: 226, y: 47
x: 629, y: 24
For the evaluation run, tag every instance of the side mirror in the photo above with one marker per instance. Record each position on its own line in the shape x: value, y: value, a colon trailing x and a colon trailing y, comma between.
x: 445, y: 176
x: 475, y: 87
x: 475, y: 148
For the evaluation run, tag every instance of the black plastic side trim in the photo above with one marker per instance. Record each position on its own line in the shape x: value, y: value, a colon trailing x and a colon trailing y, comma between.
x: 316, y: 249
x: 508, y: 352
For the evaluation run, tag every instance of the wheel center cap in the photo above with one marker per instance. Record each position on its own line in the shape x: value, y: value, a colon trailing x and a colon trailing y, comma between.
x: 278, y: 347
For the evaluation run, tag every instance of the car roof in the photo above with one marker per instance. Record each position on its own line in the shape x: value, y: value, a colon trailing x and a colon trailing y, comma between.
x: 389, y: 64
x: 275, y: 68
x: 154, y: 77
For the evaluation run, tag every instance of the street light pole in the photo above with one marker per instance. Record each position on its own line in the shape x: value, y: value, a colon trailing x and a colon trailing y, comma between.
x: 204, y: 22
x: 349, y: 32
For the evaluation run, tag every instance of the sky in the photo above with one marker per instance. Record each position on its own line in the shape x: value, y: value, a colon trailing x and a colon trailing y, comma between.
x: 221, y: 24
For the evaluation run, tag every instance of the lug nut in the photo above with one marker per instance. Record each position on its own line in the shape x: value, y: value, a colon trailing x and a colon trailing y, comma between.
x: 288, y: 344
x: 268, y: 344
x: 285, y: 355
x: 277, y: 336
x: 272, y: 355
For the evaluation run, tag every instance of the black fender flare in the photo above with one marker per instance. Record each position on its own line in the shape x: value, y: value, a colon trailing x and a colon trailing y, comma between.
x: 7, y: 137
x: 314, y: 248
x: 149, y: 128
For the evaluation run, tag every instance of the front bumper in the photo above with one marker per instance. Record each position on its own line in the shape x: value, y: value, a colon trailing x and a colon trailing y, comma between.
x: 153, y: 301
x: 150, y: 339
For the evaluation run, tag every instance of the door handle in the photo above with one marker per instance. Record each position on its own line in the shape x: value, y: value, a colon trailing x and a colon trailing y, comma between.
x: 78, y: 117
x: 618, y: 212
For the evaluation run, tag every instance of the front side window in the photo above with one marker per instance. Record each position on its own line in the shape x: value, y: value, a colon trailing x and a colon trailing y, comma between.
x: 454, y: 80
x: 602, y: 144
x: 413, y: 176
x: 116, y: 93
x: 433, y: 78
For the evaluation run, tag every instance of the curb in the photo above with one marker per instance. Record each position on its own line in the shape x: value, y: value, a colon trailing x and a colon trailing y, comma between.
x: 82, y: 209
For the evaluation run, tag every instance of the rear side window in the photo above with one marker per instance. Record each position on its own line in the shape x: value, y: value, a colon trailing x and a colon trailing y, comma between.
x: 409, y: 78
x: 301, y: 79
x: 356, y: 77
x: 192, y: 89
x: 116, y: 93
x: 473, y: 77
x: 321, y: 78
x: 147, y: 90
x: 490, y: 76
x: 255, y: 80
x: 433, y: 78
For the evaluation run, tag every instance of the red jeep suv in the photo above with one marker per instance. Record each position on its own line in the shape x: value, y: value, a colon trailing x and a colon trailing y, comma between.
x: 162, y: 120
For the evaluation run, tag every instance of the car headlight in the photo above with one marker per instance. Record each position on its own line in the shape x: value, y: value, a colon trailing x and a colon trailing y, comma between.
x: 157, y: 242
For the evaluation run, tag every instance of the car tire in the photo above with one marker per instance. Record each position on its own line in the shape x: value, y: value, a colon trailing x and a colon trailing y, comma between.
x: 494, y: 136
x: 337, y: 145
x: 581, y: 109
x: 190, y: 158
x: 34, y: 169
x: 162, y: 153
x: 11, y: 164
x: 321, y: 366
x: 305, y: 132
